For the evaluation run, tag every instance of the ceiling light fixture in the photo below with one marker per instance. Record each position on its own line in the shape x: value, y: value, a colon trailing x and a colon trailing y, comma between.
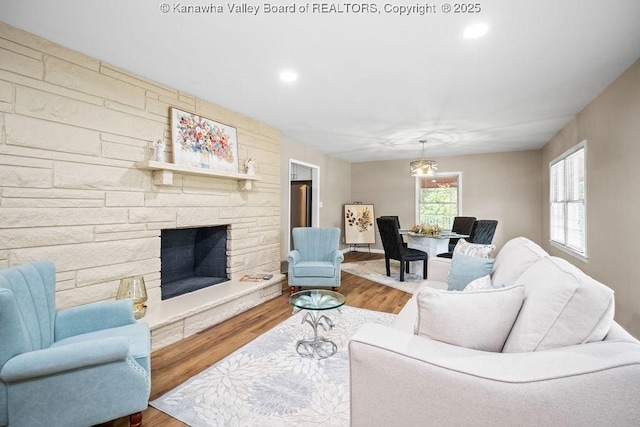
x: 288, y: 76
x: 423, y: 167
x: 475, y: 31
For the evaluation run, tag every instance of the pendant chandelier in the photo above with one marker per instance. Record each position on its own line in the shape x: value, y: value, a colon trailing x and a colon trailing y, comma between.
x: 423, y: 167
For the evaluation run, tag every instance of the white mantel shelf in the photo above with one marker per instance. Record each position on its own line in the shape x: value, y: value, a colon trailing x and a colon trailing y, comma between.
x: 163, y: 173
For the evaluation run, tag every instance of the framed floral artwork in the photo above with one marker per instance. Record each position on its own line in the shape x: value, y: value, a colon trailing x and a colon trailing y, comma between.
x: 203, y: 143
x: 358, y: 224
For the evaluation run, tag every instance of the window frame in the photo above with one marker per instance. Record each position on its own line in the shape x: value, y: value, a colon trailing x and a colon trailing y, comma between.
x: 583, y: 256
x: 418, y: 188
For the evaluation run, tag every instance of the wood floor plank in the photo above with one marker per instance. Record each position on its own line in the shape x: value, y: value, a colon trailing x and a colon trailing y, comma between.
x: 176, y: 363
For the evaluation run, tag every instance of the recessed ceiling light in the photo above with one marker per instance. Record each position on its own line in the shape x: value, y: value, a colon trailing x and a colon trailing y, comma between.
x: 288, y: 76
x: 475, y: 31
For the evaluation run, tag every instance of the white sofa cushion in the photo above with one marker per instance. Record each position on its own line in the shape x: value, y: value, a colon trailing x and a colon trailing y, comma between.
x: 562, y: 307
x: 479, y: 320
x: 514, y: 258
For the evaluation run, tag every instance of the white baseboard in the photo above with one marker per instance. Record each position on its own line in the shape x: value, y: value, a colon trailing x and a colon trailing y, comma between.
x: 366, y: 250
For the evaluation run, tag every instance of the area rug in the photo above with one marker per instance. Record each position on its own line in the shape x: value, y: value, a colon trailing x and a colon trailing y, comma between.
x: 266, y: 383
x: 375, y: 271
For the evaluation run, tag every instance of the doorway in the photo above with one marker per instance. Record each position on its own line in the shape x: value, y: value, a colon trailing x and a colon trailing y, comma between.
x: 301, y: 199
x: 304, y: 189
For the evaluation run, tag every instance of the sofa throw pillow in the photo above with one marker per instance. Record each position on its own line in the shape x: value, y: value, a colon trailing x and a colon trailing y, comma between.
x: 465, y: 269
x: 478, y: 320
x: 563, y: 307
x: 474, y: 249
x: 483, y: 282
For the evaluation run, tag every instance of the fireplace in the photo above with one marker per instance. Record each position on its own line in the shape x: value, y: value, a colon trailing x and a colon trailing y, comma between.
x: 192, y: 259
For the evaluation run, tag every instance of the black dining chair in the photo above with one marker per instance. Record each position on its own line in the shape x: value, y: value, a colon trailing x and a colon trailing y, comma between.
x: 393, y: 248
x: 397, y: 220
x: 481, y: 232
x: 461, y: 225
x: 394, y: 217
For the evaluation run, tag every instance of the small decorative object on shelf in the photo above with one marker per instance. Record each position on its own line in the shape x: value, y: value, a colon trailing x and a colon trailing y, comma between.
x: 133, y: 288
x: 158, y: 150
x: 250, y: 165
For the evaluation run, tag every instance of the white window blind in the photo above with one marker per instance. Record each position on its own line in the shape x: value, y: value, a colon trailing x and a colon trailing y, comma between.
x: 567, y: 193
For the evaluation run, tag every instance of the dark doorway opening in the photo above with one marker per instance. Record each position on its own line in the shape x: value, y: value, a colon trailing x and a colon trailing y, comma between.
x: 300, y: 204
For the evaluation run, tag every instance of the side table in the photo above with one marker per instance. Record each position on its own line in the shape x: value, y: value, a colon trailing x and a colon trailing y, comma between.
x: 315, y: 301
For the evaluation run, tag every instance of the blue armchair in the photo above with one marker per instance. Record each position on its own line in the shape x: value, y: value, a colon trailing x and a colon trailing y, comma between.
x: 316, y: 258
x: 79, y: 366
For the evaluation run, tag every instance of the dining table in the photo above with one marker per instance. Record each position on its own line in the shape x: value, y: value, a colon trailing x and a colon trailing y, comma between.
x: 431, y: 244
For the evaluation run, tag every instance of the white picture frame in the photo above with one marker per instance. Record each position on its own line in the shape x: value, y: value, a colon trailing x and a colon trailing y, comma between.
x: 359, y: 220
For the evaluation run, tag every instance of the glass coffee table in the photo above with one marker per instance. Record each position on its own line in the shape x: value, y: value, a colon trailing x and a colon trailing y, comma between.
x: 315, y: 301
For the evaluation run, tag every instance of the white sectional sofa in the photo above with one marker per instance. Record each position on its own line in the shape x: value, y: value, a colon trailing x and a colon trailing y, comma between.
x: 564, y: 360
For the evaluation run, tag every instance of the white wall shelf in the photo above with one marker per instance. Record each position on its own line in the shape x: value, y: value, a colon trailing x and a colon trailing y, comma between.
x: 163, y: 173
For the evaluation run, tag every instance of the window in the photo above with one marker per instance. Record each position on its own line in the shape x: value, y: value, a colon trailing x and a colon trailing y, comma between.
x: 568, y: 204
x: 438, y: 199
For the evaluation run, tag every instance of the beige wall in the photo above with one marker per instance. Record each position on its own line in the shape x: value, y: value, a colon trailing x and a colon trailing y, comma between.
x: 504, y: 186
x: 611, y: 126
x: 71, y: 130
x: 335, y: 186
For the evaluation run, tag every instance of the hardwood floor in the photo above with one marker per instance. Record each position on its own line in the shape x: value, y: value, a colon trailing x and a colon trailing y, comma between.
x: 174, y: 364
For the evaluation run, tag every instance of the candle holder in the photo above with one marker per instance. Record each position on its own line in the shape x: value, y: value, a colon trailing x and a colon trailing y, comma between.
x: 133, y: 288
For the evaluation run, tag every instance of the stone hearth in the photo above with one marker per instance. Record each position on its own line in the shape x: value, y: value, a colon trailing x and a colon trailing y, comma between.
x: 176, y: 318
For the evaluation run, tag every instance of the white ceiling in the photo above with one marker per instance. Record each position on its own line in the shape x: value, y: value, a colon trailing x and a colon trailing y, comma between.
x: 370, y: 85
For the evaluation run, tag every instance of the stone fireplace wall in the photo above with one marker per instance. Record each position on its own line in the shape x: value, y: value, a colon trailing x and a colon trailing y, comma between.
x: 71, y: 130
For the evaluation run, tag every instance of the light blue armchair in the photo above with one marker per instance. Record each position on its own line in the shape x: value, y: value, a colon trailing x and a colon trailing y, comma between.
x: 316, y: 258
x: 79, y: 366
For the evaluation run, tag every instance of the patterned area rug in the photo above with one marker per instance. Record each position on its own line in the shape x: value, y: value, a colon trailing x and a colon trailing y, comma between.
x: 375, y: 271
x: 266, y: 383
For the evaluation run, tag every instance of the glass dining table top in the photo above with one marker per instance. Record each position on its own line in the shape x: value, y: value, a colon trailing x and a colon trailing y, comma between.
x: 317, y: 299
x: 442, y: 235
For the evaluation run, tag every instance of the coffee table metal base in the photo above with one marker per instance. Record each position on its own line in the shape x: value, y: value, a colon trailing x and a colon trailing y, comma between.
x: 316, y: 347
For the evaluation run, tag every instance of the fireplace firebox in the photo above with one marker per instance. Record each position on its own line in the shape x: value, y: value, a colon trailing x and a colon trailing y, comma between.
x: 192, y: 259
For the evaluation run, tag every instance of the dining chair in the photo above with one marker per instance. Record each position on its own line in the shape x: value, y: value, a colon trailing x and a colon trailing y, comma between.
x: 482, y: 233
x: 394, y: 249
x: 395, y: 217
x: 461, y: 225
